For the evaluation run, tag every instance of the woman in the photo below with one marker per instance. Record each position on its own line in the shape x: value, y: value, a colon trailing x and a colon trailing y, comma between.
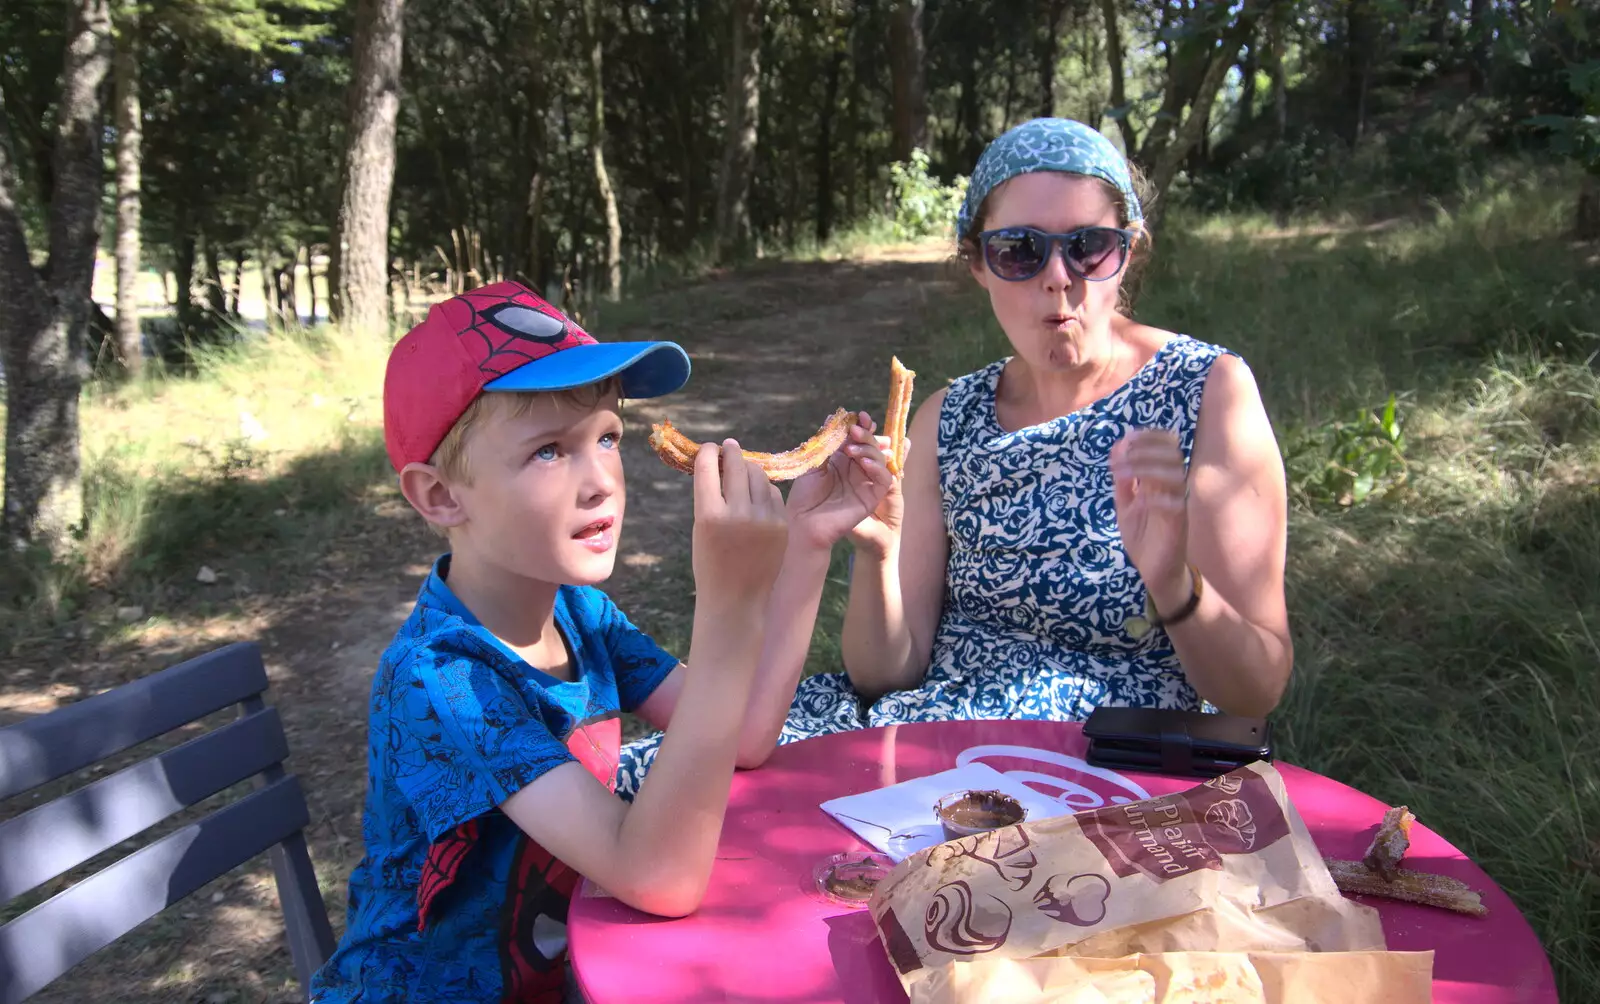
x: 1097, y: 519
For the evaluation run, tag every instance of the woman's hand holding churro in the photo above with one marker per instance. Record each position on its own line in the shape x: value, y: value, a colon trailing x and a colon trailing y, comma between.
x: 826, y: 503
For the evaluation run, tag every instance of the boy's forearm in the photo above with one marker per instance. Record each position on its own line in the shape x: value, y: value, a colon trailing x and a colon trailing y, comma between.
x: 674, y: 823
x: 791, y: 617
x: 875, y: 643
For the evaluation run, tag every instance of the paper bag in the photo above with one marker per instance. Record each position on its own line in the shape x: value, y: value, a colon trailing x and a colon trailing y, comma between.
x: 1188, y: 978
x: 1227, y: 865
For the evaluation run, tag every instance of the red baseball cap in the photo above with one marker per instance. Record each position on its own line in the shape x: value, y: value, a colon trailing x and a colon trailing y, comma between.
x: 503, y: 337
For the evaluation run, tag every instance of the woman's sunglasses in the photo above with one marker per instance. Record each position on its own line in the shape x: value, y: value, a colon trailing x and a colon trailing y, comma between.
x: 1018, y: 253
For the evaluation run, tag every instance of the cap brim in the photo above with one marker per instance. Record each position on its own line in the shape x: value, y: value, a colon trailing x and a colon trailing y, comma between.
x: 646, y: 369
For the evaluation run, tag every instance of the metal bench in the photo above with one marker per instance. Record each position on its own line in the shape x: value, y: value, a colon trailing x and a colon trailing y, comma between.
x: 50, y: 839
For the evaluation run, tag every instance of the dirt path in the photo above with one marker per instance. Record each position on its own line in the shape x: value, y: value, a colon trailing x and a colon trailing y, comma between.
x: 775, y: 349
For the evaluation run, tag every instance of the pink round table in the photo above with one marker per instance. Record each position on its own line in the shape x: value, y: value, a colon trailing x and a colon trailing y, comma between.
x: 762, y: 934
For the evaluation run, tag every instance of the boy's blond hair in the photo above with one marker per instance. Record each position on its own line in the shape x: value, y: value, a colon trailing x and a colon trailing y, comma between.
x: 450, y: 457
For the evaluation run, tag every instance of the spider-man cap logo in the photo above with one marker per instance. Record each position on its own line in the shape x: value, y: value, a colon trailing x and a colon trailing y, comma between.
x: 503, y: 337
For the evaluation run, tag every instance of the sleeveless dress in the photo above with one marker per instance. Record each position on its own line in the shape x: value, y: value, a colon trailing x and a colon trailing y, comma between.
x: 1043, y: 612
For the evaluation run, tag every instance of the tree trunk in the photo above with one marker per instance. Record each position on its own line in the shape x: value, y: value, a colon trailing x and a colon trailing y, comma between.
x: 1187, y: 53
x: 42, y: 327
x: 534, y: 95
x: 1199, y: 154
x: 907, y: 61
x: 1011, y: 90
x: 236, y: 296
x: 1087, y: 44
x: 743, y: 118
x: 1478, y: 40
x: 1360, y: 38
x: 1586, y: 219
x: 825, y: 143
x: 536, y: 274
x: 1048, y: 49
x: 361, y: 242
x: 311, y: 282
x: 969, y: 111
x: 215, y: 303
x: 1280, y: 82
x: 289, y: 303
x: 405, y: 293
x: 687, y: 128
x: 1119, y: 94
x: 597, y: 142
x: 129, y: 344
x: 1164, y: 150
x: 269, y: 295
x: 1247, y: 87
x: 1438, y: 29
x: 183, y: 274
x: 853, y: 168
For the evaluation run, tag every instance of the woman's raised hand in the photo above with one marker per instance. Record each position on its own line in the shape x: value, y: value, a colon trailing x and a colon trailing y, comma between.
x: 1152, y: 500
x: 878, y: 533
x: 826, y: 503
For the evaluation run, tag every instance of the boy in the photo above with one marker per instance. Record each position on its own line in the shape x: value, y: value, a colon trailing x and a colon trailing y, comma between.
x: 493, y: 732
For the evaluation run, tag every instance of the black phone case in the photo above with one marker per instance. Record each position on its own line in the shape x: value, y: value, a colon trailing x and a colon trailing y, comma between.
x: 1151, y: 762
x: 1175, y: 742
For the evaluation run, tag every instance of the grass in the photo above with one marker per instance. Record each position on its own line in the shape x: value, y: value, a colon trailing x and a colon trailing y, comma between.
x: 1448, y: 629
x: 252, y: 461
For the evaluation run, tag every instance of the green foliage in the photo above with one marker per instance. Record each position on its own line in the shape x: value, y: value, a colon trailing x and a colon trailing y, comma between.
x: 923, y: 207
x: 1578, y: 136
x: 1344, y: 462
x: 252, y: 26
x: 1438, y: 155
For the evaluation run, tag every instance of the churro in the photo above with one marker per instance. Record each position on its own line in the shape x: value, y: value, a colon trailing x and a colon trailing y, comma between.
x: 897, y: 413
x: 1409, y: 886
x: 678, y: 451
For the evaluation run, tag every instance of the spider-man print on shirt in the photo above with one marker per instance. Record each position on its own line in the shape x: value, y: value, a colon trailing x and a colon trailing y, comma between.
x: 452, y: 901
x: 533, y: 924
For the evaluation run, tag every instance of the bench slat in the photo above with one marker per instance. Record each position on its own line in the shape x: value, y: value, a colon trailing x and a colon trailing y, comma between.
x: 39, y: 750
x: 46, y: 841
x: 61, y: 932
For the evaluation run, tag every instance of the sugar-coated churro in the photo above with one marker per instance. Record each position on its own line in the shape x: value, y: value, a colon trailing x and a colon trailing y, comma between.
x: 678, y: 451
x: 897, y: 413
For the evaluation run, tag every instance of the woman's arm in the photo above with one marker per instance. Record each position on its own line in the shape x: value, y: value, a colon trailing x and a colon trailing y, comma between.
x: 897, y: 583
x: 1235, y: 648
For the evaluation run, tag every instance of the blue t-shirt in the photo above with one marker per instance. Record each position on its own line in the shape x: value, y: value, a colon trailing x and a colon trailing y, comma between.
x: 451, y: 902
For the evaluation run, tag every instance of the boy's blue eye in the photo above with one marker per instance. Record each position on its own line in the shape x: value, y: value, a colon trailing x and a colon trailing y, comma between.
x: 545, y: 452
x: 610, y: 440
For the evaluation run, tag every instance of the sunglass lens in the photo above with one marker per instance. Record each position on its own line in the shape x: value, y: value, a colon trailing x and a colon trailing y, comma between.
x: 1095, y: 254
x: 1014, y: 254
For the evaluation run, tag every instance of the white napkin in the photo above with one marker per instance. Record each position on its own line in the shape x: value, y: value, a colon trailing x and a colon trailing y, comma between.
x: 899, y: 820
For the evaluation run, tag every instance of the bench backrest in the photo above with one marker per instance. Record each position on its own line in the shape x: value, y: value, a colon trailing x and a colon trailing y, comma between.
x: 44, y: 842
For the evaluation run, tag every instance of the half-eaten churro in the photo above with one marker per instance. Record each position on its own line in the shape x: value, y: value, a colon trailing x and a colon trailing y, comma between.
x: 1381, y: 871
x: 678, y: 451
x: 1409, y: 886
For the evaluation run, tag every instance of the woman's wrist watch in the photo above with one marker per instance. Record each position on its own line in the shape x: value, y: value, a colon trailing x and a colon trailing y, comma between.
x: 1197, y: 586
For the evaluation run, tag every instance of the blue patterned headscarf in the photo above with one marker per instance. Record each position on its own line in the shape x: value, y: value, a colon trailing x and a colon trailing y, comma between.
x: 1047, y: 145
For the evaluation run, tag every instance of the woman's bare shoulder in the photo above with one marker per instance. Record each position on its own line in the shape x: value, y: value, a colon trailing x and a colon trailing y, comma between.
x: 930, y: 406
x: 1143, y: 340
